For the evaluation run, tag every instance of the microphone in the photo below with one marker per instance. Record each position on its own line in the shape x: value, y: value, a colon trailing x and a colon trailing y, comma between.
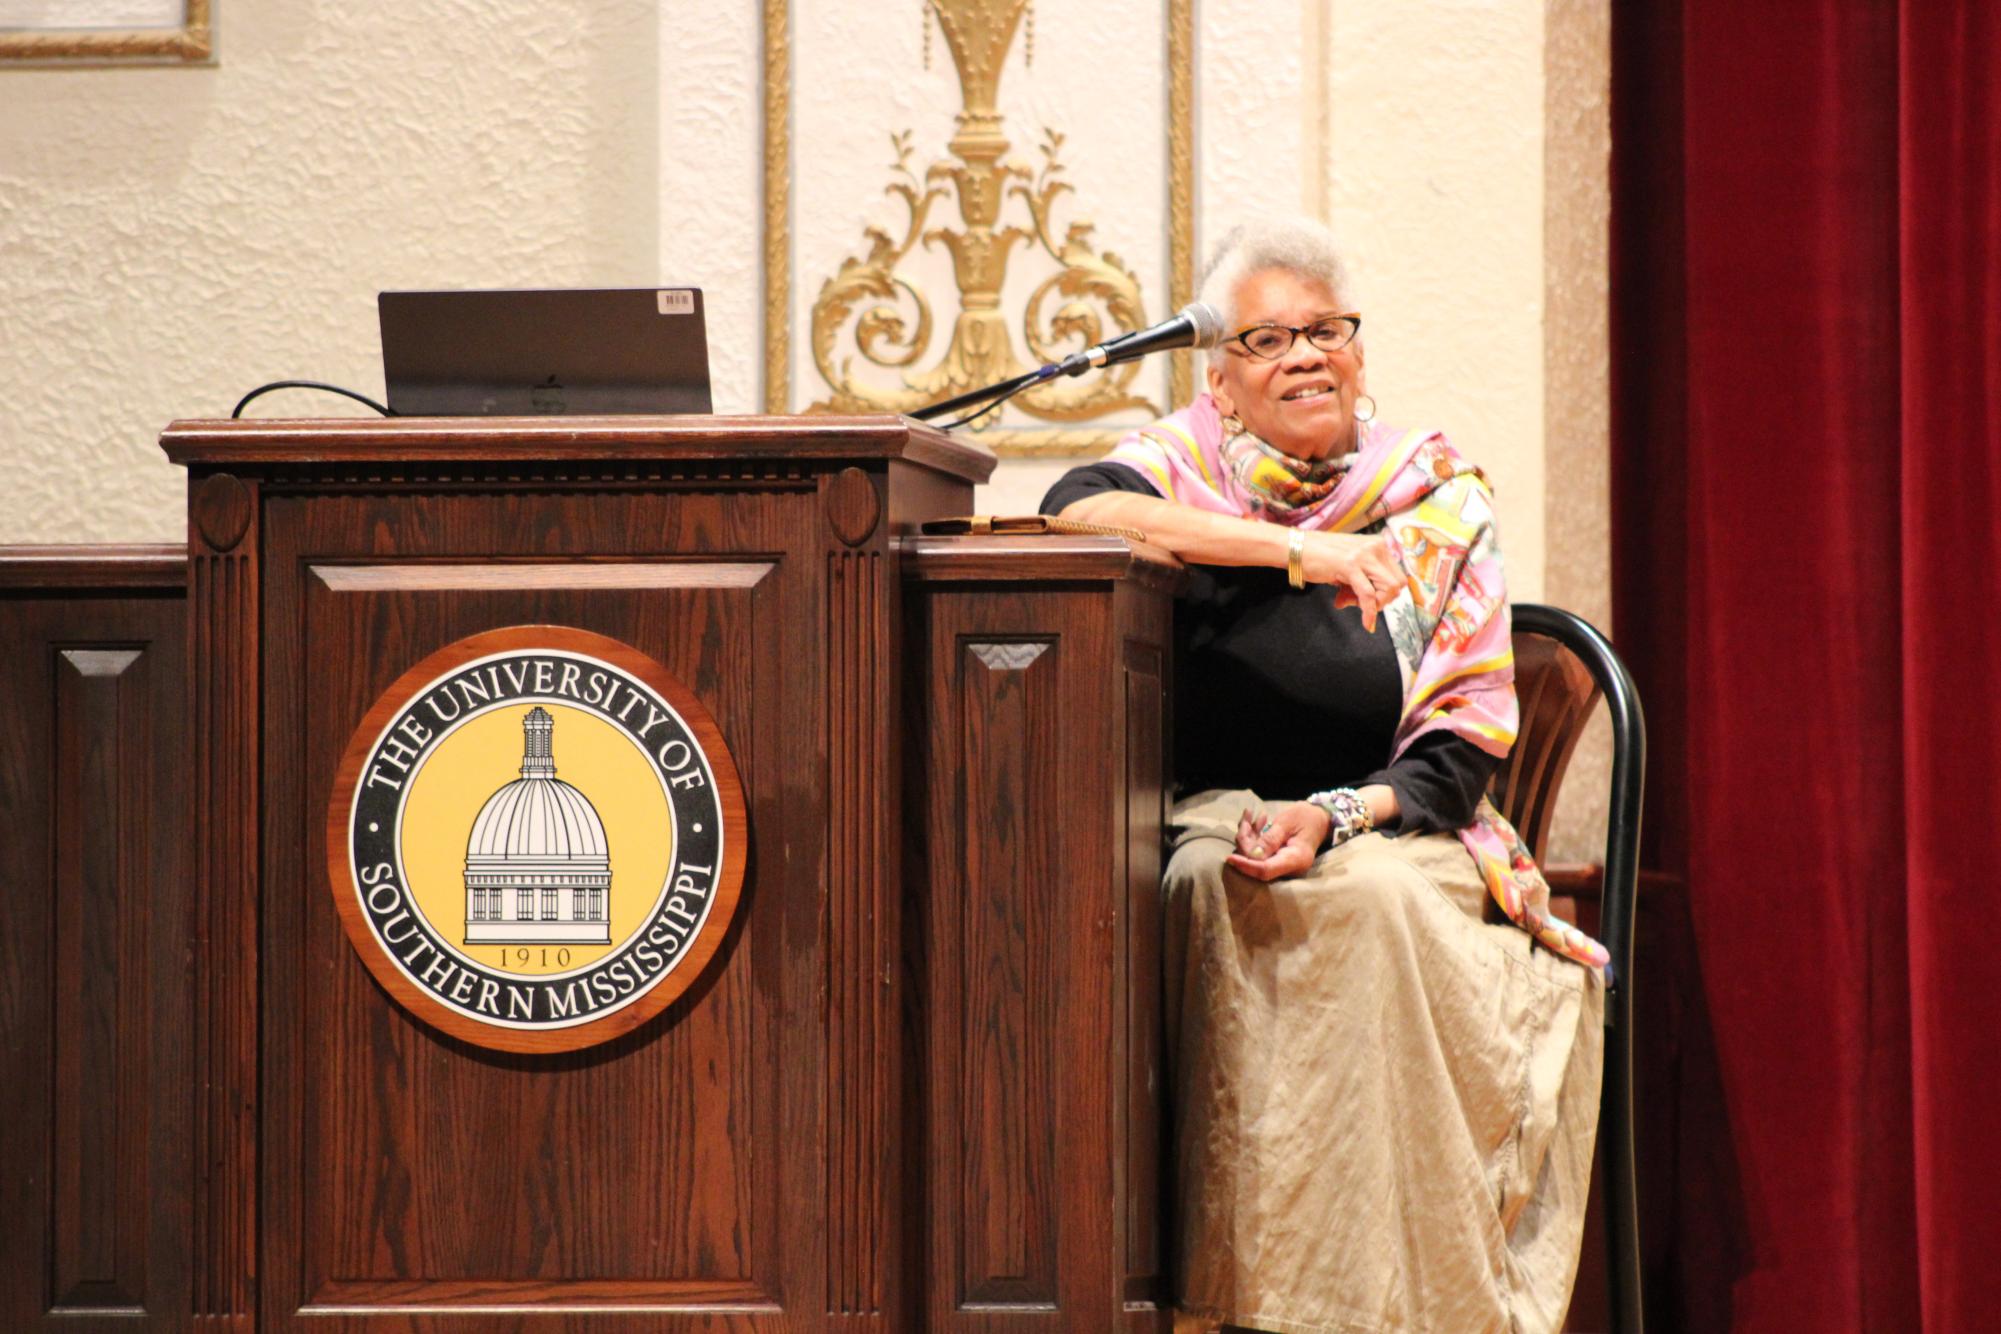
x: 1198, y: 325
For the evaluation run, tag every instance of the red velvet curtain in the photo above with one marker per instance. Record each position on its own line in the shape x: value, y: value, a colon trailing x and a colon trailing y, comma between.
x: 1949, y: 191
x: 1807, y: 569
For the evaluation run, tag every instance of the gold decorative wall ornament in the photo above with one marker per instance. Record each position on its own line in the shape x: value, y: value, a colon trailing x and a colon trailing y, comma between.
x: 981, y: 351
x: 190, y: 42
x: 871, y: 313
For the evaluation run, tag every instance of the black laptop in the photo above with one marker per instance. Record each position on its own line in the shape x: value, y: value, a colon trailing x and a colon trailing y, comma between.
x: 613, y: 350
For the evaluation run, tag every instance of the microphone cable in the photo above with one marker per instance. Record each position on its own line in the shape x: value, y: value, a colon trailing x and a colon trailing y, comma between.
x: 261, y: 389
x: 990, y: 405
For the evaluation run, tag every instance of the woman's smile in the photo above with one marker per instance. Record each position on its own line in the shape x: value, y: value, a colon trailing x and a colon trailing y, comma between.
x: 1303, y: 400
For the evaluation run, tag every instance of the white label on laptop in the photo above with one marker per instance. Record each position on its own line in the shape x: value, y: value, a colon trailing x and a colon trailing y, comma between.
x: 677, y: 301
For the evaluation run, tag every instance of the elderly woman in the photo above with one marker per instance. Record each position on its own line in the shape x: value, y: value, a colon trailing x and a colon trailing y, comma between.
x: 1386, y: 1095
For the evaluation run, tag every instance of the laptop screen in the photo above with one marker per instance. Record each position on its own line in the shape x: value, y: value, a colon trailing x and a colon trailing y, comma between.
x: 603, y: 350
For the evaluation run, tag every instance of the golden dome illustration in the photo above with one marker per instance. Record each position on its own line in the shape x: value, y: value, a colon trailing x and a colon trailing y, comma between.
x: 538, y: 864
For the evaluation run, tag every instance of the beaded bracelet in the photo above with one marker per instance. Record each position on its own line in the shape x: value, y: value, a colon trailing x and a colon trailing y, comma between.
x: 1350, y: 814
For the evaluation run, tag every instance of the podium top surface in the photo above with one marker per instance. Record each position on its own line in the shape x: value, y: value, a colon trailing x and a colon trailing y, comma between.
x: 1040, y: 557
x: 248, y: 443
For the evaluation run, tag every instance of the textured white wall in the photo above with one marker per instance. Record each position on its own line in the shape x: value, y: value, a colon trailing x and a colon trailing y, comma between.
x: 710, y: 100
x: 172, y: 237
x: 1437, y: 191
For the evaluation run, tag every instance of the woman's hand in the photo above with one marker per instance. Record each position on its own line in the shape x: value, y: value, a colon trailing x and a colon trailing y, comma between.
x: 1364, y: 565
x: 1279, y: 840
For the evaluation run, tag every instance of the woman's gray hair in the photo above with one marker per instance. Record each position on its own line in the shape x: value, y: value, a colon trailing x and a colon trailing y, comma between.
x: 1299, y: 246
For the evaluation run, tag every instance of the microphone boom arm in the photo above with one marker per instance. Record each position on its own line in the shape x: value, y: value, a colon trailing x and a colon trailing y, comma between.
x: 1196, y: 325
x: 985, y: 392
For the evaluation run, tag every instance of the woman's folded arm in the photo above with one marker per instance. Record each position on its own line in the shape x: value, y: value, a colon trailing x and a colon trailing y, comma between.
x: 1096, y: 494
x: 1192, y: 534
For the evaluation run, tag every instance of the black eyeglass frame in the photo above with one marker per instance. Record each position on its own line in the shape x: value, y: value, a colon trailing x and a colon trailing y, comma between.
x: 1293, y: 331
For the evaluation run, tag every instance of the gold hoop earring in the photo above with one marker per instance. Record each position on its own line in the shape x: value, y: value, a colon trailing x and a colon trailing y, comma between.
x: 1360, y: 415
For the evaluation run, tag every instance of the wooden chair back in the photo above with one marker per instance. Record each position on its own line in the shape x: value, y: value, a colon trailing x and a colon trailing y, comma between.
x: 1557, y: 693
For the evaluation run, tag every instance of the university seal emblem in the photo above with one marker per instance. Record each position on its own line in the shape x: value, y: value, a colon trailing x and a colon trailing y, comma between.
x: 536, y: 839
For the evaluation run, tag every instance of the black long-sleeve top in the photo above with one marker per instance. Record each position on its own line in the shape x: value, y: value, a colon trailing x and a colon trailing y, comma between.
x: 1281, y: 692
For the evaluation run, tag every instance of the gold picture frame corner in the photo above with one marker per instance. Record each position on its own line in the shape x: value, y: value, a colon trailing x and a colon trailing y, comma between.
x: 192, y: 44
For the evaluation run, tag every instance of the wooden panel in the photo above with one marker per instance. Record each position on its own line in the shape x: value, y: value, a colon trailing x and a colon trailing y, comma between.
x: 1039, y: 737
x: 660, y: 1179
x: 1008, y: 1003
x: 467, y: 1183
x: 94, y: 997
x: 102, y: 810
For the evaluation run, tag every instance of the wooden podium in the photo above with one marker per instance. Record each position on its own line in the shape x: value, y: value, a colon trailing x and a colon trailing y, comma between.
x: 804, y: 1139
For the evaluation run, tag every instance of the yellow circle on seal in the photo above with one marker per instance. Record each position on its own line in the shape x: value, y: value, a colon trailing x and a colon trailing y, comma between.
x: 467, y: 767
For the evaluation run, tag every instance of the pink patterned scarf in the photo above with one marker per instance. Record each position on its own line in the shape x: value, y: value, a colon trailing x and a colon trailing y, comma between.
x: 1450, y: 622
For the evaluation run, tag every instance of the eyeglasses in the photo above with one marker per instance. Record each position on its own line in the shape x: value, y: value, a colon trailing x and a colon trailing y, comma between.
x: 1269, y: 342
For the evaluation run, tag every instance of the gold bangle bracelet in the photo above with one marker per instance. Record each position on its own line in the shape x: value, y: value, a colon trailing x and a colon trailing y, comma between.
x: 1295, y: 559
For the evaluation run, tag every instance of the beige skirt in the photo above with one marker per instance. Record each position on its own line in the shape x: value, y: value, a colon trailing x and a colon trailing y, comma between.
x: 1385, y: 1106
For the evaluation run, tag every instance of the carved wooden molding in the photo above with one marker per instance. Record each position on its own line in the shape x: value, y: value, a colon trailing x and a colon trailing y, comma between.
x: 221, y: 509
x: 223, y: 670
x: 853, y: 507
x: 522, y: 575
x: 859, y: 1002
x: 101, y: 566
x: 1007, y: 657
x: 475, y: 480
